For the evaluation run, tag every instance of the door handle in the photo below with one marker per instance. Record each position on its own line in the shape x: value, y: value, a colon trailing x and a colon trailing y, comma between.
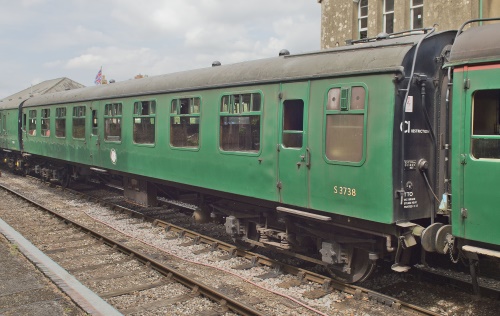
x: 308, y: 158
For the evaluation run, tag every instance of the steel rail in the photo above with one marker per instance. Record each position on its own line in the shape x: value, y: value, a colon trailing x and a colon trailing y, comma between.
x: 328, y: 284
x: 196, y: 286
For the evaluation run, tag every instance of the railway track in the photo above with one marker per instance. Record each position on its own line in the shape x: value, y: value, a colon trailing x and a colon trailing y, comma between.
x: 115, y: 270
x: 246, y: 261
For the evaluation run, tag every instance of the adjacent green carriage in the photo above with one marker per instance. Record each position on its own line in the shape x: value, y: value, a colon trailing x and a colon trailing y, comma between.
x: 475, y: 61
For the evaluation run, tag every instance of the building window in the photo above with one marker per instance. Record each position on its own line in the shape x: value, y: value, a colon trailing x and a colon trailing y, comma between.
x: 79, y: 122
x: 113, y: 122
x: 388, y: 16
x: 185, y: 122
x: 345, y: 124
x: 144, y: 122
x: 240, y: 122
x: 61, y: 122
x: 45, y: 129
x: 417, y: 14
x: 32, y: 123
x: 485, y: 142
x: 363, y: 19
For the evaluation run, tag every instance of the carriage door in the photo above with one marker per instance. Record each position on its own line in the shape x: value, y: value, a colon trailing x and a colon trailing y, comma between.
x: 480, y: 160
x: 95, y: 142
x: 293, y: 153
x: 3, y: 129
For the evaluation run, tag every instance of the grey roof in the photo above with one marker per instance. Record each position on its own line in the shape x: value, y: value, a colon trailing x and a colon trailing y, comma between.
x: 477, y: 44
x: 46, y: 87
x: 372, y: 57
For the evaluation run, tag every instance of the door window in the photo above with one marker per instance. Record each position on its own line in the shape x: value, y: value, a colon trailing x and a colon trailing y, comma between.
x: 293, y: 123
x: 95, y: 125
x: 485, y: 136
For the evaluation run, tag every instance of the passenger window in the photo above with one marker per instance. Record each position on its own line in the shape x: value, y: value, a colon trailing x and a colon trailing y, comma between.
x: 345, y: 124
x: 293, y: 123
x: 45, y: 128
x: 32, y: 123
x: 61, y: 122
x: 240, y: 122
x: 144, y: 122
x: 185, y: 122
x: 113, y: 122
x: 79, y: 122
x: 485, y: 142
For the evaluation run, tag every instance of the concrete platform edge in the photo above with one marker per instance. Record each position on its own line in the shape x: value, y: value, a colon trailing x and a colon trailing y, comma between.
x: 80, y: 294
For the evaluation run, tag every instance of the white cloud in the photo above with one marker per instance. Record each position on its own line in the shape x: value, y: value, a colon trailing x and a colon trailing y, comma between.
x: 47, y: 39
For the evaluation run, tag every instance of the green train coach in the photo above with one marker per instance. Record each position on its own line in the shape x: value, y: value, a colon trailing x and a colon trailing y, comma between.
x: 341, y: 157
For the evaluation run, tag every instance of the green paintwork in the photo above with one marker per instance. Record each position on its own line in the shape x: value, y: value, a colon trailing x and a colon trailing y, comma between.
x: 372, y: 178
x: 251, y: 174
x: 10, y: 138
x: 475, y: 183
x: 293, y: 172
x: 307, y: 77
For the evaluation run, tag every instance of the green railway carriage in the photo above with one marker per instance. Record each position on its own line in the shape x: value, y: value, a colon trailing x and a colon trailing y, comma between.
x: 340, y: 156
x: 314, y: 136
x: 475, y: 62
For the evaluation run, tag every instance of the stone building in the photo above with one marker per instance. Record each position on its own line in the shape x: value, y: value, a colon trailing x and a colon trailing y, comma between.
x: 345, y: 20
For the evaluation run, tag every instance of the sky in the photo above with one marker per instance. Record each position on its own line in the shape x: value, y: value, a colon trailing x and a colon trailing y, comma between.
x: 48, y: 39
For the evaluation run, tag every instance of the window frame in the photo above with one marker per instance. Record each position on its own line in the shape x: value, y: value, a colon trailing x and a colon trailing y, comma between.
x: 361, y: 18
x: 190, y: 115
x: 385, y: 15
x: 106, y: 116
x: 35, y: 119
x: 45, y: 118
x: 479, y: 136
x: 230, y: 113
x: 340, y: 111
x: 412, y: 9
x: 287, y: 108
x: 73, y: 117
x: 59, y: 117
x: 141, y: 116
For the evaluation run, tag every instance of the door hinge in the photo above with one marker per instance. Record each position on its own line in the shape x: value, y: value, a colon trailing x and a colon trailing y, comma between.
x: 279, y: 185
x: 278, y: 147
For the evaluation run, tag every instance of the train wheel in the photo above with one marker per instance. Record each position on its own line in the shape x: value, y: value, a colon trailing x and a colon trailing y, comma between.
x: 361, y: 268
x: 66, y: 179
